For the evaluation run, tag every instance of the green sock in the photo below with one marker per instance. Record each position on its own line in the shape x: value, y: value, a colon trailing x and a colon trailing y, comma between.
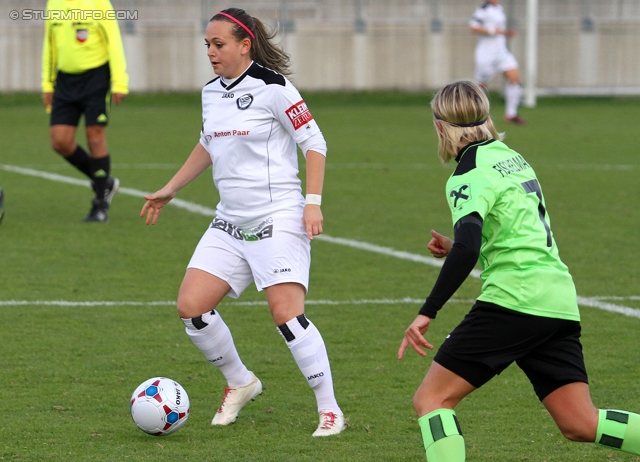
x: 619, y: 430
x: 443, y: 441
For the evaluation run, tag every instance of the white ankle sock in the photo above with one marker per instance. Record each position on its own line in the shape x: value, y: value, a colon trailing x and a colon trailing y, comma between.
x: 308, y: 350
x: 513, y: 94
x: 212, y: 336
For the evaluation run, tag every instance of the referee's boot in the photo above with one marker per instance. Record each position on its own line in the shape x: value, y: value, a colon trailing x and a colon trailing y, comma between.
x: 113, y: 184
x: 98, y: 213
x: 100, y: 205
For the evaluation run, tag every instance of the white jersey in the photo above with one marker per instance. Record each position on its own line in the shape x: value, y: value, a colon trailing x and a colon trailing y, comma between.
x: 490, y: 16
x: 250, y: 128
x: 491, y: 55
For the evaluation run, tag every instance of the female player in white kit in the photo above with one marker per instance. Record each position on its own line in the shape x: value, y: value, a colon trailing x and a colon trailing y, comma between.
x: 253, y: 117
x: 489, y: 22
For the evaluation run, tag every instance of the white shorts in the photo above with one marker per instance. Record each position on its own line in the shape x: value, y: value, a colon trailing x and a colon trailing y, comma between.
x: 488, y: 66
x: 278, y: 250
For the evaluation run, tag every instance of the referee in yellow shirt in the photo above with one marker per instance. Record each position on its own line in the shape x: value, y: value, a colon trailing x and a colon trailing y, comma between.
x: 83, y: 69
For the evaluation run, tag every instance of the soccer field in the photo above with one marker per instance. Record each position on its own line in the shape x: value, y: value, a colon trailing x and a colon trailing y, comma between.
x: 87, y: 309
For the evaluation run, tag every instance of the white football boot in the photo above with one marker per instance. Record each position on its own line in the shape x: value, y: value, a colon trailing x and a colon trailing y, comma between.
x: 330, y: 424
x: 234, y: 399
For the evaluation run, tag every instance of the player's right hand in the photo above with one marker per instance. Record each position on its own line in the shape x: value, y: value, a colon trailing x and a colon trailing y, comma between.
x: 154, y: 204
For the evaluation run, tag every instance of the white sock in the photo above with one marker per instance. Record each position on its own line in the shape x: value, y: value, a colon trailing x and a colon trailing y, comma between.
x: 307, y: 347
x: 213, y: 337
x: 513, y: 93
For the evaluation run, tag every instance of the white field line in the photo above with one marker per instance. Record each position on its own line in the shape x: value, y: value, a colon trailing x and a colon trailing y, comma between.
x: 594, y: 302
x: 388, y: 251
x: 381, y: 301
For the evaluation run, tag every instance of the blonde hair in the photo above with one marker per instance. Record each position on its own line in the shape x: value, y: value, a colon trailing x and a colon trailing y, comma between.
x: 461, y: 116
x: 263, y: 51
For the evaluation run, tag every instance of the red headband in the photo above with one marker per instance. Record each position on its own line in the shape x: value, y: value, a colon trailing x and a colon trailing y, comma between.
x: 239, y: 23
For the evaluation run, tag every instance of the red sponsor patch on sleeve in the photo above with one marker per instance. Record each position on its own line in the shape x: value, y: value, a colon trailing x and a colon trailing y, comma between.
x: 299, y: 114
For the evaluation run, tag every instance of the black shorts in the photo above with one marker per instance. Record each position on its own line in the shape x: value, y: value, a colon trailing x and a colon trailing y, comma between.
x: 491, y: 337
x: 86, y: 93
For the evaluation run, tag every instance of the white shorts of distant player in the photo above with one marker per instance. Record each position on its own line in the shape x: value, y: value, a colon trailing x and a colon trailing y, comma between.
x: 275, y: 251
x: 490, y: 64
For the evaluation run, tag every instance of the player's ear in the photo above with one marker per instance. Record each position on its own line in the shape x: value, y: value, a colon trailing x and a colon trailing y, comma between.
x: 246, y: 46
x: 438, y: 125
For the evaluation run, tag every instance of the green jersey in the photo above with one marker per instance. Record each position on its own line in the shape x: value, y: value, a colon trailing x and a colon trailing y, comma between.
x: 521, y: 268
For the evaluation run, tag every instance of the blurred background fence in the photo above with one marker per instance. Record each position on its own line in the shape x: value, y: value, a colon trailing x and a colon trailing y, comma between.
x: 583, y: 46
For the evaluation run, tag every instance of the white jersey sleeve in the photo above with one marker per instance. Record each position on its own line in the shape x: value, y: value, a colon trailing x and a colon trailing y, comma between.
x: 292, y: 112
x: 477, y: 20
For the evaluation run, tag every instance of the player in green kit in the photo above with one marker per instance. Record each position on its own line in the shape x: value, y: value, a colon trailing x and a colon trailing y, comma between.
x: 527, y: 312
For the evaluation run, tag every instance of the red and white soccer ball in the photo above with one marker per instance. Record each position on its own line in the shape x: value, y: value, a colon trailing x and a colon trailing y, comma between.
x: 160, y: 406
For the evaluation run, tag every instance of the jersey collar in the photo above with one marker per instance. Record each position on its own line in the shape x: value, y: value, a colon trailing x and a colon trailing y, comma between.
x: 233, y: 82
x: 475, y: 143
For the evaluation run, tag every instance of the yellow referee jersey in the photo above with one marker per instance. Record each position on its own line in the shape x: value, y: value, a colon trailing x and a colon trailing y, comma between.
x: 81, y: 35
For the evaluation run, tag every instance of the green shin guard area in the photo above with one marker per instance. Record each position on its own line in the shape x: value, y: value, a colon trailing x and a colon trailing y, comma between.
x: 619, y: 430
x: 442, y: 437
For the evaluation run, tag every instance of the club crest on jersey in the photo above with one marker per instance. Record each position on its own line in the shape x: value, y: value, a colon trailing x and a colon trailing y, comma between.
x: 244, y: 101
x: 299, y: 114
x: 82, y: 35
x: 459, y: 195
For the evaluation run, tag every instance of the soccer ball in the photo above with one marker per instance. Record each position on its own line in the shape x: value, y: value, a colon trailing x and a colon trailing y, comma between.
x: 160, y: 406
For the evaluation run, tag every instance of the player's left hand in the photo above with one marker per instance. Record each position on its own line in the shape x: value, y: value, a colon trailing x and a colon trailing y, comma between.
x: 414, y: 336
x: 312, y: 217
x: 118, y: 97
x: 439, y: 245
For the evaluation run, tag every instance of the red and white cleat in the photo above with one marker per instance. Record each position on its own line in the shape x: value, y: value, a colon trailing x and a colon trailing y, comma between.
x: 330, y: 424
x: 515, y: 120
x: 234, y: 399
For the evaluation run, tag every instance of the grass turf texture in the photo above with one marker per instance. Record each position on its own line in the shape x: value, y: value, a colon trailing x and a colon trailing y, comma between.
x: 67, y: 372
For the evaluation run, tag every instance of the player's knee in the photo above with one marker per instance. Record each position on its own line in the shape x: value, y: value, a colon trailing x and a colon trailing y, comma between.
x: 62, y: 145
x: 186, y: 310
x: 423, y: 405
x: 190, y: 308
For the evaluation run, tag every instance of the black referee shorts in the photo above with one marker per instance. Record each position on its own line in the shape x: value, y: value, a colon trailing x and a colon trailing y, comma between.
x: 491, y: 337
x: 87, y: 93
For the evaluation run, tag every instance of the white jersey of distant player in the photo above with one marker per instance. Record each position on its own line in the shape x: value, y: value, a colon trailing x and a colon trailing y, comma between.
x: 491, y: 55
x: 250, y: 127
x: 490, y: 16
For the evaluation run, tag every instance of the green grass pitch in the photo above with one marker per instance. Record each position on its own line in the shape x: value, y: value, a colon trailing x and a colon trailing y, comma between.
x: 86, y: 309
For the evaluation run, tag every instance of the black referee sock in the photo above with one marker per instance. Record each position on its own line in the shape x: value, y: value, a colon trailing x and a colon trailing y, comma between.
x: 80, y: 160
x: 100, y: 169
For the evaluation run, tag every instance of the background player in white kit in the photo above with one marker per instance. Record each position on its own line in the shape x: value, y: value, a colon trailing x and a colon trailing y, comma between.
x: 253, y: 117
x: 489, y: 22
